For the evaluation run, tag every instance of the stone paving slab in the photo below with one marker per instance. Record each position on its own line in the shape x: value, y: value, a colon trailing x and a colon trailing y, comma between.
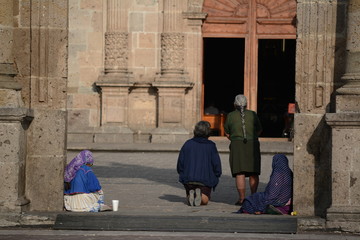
x: 35, y: 234
x: 178, y: 222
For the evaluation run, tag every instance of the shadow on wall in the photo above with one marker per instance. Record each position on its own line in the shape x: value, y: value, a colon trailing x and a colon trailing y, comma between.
x: 319, y: 146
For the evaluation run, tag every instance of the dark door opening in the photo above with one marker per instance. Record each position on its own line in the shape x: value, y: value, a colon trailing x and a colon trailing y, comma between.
x: 276, y: 85
x: 223, y: 75
x: 223, y: 79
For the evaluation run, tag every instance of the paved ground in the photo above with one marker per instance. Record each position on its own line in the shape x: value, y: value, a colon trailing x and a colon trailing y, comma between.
x: 123, y: 235
x: 146, y: 183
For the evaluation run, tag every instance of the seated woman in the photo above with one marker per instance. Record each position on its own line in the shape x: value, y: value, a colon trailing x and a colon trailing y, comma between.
x: 199, y: 165
x: 278, y: 193
x: 82, y: 188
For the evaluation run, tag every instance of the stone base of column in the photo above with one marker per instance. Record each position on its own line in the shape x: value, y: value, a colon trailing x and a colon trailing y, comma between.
x: 13, y: 124
x: 114, y: 134
x: 170, y: 135
x: 344, y: 219
x: 103, y: 134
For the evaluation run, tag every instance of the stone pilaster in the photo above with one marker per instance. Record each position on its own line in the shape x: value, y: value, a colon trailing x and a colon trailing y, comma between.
x: 114, y: 117
x: 116, y: 81
x: 116, y: 40
x: 48, y: 75
x: 344, y: 213
x: 13, y: 125
x: 14, y: 120
x: 316, y: 39
x: 172, y: 82
x: 171, y: 113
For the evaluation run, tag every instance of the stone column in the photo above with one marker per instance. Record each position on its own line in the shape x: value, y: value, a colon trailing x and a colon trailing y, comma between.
x: 48, y: 91
x: 14, y: 120
x: 316, y: 39
x: 116, y: 39
x: 172, y: 81
x: 344, y: 213
x: 116, y: 81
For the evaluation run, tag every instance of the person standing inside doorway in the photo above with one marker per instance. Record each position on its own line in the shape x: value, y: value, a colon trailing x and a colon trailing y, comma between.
x: 242, y: 128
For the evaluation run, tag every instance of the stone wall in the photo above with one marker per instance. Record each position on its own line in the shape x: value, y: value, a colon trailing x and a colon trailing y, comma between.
x: 118, y: 70
x: 319, y: 46
x: 41, y: 57
x: 14, y: 118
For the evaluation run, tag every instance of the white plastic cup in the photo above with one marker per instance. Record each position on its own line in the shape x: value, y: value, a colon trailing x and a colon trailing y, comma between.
x: 115, y: 205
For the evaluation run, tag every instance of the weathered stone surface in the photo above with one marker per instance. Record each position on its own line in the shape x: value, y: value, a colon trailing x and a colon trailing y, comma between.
x: 47, y: 133
x: 13, y: 124
x: 49, y: 52
x: 22, y: 53
x: 48, y: 92
x: 6, y: 54
x: 311, y: 165
x: 47, y: 169
x: 6, y: 13
x: 142, y: 117
x: 80, y: 137
x: 347, y: 103
x: 78, y: 119
x: 10, y: 98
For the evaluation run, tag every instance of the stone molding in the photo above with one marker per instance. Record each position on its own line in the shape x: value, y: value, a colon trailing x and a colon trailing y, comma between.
x: 343, y: 120
x: 16, y: 114
x: 351, y: 86
x: 7, y: 74
x: 194, y: 18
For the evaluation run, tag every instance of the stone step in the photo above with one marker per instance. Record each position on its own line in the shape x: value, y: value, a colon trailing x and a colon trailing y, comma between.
x: 240, y: 223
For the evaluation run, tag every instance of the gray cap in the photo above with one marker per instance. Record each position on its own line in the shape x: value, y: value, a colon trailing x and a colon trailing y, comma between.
x: 240, y: 100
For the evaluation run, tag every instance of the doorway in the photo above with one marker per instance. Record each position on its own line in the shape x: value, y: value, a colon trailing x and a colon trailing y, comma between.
x: 223, y: 72
x: 260, y: 37
x: 224, y: 78
x: 276, y: 85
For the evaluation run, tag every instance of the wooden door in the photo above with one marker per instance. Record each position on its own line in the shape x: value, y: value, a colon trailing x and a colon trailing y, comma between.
x: 251, y: 20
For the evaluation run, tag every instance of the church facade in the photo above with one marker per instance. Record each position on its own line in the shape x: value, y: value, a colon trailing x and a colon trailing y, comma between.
x: 142, y: 71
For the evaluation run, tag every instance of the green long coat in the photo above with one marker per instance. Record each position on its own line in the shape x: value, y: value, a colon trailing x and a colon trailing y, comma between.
x: 245, y: 158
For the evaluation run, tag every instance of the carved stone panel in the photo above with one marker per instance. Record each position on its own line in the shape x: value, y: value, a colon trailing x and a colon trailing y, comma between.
x: 172, y: 52
x: 116, y: 52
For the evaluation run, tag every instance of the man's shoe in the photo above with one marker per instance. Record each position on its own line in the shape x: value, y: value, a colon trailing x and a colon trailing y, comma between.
x: 197, y: 201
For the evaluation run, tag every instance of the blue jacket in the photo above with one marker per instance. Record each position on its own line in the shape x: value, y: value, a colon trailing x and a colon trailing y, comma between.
x: 199, y: 161
x: 84, y: 181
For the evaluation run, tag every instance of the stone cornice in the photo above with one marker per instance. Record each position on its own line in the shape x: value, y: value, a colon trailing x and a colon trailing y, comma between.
x: 16, y: 114
x: 7, y: 74
x: 172, y: 84
x: 343, y: 119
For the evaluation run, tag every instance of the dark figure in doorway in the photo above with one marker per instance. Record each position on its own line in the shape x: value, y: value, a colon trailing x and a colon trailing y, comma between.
x: 243, y: 127
x: 211, y: 109
x: 199, y: 165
